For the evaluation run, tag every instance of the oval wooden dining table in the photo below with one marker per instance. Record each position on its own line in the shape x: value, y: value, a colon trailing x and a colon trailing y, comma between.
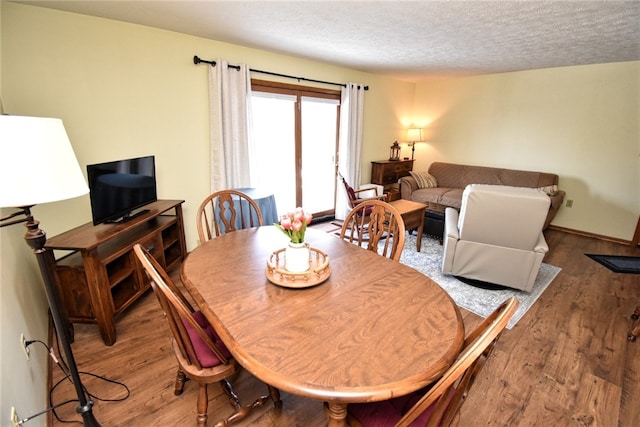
x: 375, y: 329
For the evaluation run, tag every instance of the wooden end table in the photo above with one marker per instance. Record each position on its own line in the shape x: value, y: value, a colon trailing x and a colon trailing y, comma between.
x: 413, y: 217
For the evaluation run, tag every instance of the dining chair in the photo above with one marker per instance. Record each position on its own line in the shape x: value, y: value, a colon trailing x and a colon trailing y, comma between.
x: 225, y: 211
x: 377, y: 226
x: 201, y: 354
x: 635, y: 327
x: 439, y: 404
x: 354, y: 197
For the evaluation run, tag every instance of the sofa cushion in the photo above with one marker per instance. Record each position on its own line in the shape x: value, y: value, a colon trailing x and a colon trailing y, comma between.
x: 439, y: 195
x: 518, y: 178
x: 459, y: 176
x: 452, y: 198
x: 429, y: 195
x: 448, y: 174
x: 481, y: 175
x: 424, y: 179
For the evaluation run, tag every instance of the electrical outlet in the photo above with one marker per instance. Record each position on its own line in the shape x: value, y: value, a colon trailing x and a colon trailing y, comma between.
x: 569, y: 203
x: 15, y: 421
x: 25, y: 347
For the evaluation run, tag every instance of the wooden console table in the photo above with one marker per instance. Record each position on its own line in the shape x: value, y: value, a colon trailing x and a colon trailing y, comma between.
x: 100, y: 277
x: 387, y: 173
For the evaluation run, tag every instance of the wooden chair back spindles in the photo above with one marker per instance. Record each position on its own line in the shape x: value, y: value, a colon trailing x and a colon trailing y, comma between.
x: 201, y: 355
x: 440, y: 404
x: 225, y: 211
x: 376, y: 226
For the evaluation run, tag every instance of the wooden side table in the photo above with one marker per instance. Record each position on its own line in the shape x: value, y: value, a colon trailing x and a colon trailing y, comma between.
x: 413, y: 217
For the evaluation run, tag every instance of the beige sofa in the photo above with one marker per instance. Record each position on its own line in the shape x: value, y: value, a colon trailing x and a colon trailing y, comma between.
x: 451, y: 180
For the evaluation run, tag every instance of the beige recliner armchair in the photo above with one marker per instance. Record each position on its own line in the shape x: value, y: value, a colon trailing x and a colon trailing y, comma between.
x: 497, y: 236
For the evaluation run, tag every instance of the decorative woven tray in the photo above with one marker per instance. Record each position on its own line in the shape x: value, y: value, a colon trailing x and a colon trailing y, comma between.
x: 319, y: 270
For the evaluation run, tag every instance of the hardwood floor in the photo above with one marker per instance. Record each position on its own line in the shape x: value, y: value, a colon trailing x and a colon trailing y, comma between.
x: 566, y: 363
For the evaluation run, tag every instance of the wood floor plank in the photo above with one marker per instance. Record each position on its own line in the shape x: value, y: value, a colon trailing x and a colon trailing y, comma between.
x: 629, y: 407
x: 566, y: 363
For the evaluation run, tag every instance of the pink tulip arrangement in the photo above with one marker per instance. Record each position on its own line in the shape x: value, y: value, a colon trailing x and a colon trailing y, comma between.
x: 294, y: 224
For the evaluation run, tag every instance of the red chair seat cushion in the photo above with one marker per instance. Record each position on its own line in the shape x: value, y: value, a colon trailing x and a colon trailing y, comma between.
x: 388, y: 412
x: 366, y: 211
x: 204, y: 354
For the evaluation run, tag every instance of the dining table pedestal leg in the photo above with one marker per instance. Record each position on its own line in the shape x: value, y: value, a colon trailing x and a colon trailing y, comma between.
x: 336, y: 414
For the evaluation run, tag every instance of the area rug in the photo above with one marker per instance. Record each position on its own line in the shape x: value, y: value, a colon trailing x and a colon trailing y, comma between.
x: 618, y: 263
x: 477, y: 300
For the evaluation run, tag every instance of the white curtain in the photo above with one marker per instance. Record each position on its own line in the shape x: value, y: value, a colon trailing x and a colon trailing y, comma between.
x: 350, y: 142
x: 230, y: 135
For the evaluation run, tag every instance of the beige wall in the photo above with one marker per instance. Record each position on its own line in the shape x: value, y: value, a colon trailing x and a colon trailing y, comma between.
x: 23, y: 309
x: 579, y: 122
x: 124, y: 90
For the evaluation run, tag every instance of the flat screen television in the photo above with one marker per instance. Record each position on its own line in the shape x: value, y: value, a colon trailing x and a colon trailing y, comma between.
x: 119, y: 187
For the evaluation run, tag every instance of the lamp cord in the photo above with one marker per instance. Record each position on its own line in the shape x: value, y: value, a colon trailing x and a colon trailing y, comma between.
x: 65, y: 370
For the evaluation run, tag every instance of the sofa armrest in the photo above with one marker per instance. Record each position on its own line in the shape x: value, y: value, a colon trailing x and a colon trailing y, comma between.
x: 408, y: 185
x: 556, y: 203
x: 556, y: 199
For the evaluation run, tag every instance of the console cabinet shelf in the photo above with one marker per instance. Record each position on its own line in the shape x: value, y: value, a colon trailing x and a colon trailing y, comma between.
x: 96, y: 273
x: 387, y: 173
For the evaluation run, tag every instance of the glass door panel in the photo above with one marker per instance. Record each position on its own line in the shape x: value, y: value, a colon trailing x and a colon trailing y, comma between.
x: 295, y: 143
x: 274, y: 141
x: 319, y: 130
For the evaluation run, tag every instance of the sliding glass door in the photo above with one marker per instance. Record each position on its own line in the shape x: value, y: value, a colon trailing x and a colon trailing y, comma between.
x: 295, y: 130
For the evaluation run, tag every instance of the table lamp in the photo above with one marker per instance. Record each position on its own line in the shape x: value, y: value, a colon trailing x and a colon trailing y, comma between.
x: 38, y: 165
x: 414, y: 135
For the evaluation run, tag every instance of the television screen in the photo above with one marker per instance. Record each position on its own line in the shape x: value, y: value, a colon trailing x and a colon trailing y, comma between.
x: 119, y: 187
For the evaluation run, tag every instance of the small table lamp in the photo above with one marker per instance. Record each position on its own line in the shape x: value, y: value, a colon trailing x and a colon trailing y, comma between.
x: 38, y: 165
x: 414, y: 135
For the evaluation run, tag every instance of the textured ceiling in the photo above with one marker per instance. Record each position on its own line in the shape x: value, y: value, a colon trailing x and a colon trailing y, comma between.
x: 402, y: 39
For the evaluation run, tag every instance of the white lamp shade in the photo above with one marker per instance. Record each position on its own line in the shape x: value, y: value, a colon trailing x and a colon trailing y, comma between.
x: 37, y: 162
x: 414, y: 134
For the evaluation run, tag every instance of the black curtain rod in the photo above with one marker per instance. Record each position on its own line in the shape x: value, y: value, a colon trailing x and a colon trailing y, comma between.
x: 197, y: 60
